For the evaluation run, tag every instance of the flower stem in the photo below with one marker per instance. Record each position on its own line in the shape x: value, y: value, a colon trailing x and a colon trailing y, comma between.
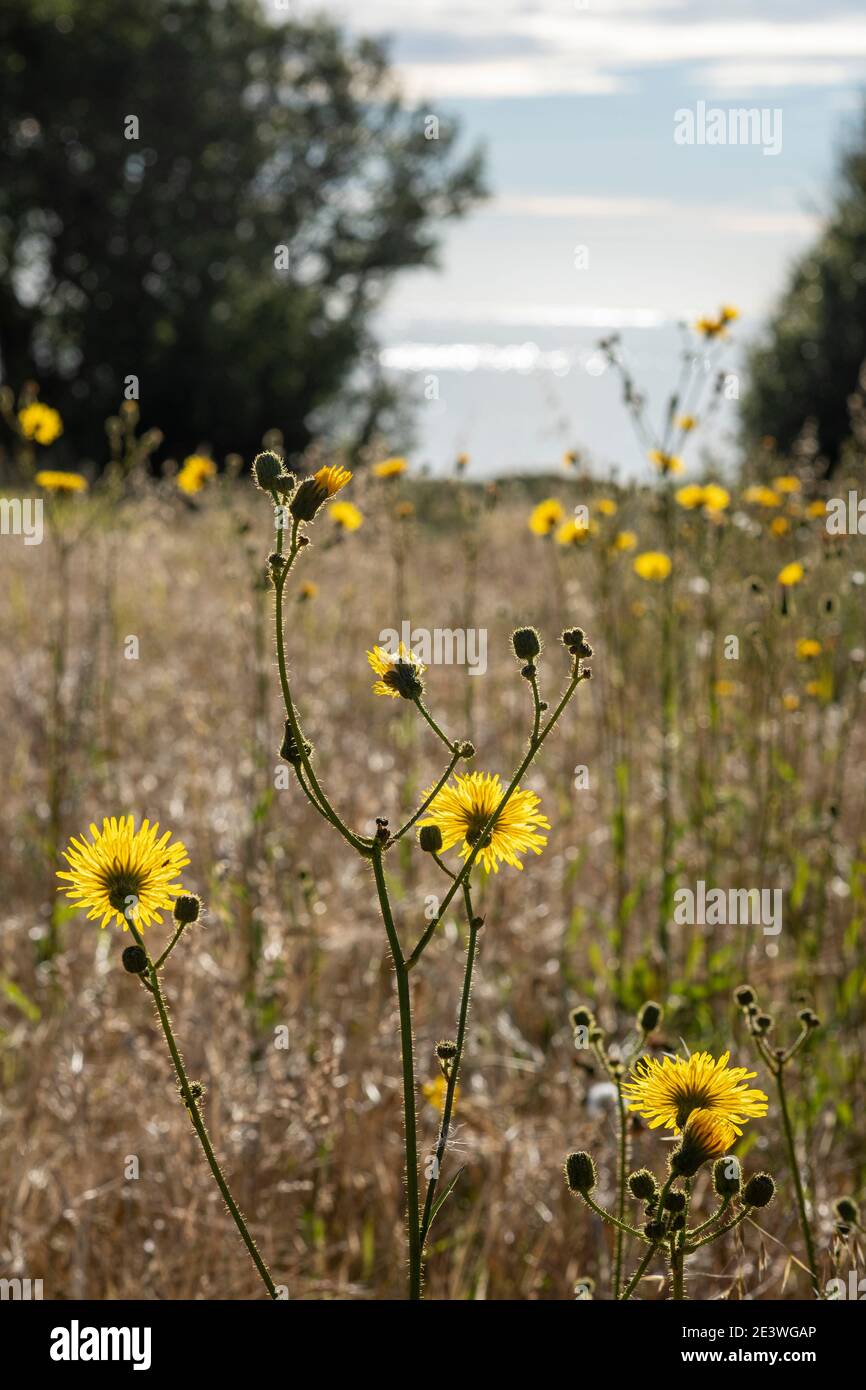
x: 798, y: 1181
x: 197, y: 1122
x: 404, y: 1001
x: 451, y: 1086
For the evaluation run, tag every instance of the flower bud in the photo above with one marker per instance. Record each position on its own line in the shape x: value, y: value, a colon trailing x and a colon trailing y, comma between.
x: 650, y: 1016
x: 430, y: 839
x: 526, y: 643
x: 643, y: 1185
x: 581, y: 1017
x: 727, y: 1176
x: 134, y: 960
x: 847, y: 1210
x: 580, y: 1172
x: 744, y: 995
x: 267, y: 468
x: 186, y: 909
x: 674, y: 1201
x: 759, y: 1190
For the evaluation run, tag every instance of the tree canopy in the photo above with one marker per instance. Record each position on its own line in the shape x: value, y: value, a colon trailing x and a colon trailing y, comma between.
x: 808, y: 364
x: 207, y: 200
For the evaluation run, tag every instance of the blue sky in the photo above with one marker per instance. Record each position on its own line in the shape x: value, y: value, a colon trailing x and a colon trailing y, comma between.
x: 574, y: 101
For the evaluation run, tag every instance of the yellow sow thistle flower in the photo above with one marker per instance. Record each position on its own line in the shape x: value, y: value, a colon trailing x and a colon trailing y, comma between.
x: 546, y: 517
x: 462, y: 809
x: 606, y: 506
x: 313, y: 492
x: 666, y: 1091
x: 762, y: 496
x: 55, y: 481
x: 790, y: 701
x: 434, y: 1093
x: 816, y: 508
x: 40, y: 422
x: 345, y: 515
x: 653, y: 565
x: 706, y: 1135
x: 197, y: 470
x: 625, y: 540
x: 807, y: 647
x: 123, y: 872
x: 787, y: 483
x: 686, y: 423
x: 665, y: 463
x: 791, y: 574
x: 780, y: 526
x: 399, y: 676
x: 710, y: 497
x: 573, y: 532
x: 390, y: 468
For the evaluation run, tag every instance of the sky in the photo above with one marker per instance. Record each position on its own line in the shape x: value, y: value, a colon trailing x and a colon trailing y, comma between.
x: 598, y: 217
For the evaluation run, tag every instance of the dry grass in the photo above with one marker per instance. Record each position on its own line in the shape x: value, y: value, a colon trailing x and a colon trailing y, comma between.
x: 310, y: 1136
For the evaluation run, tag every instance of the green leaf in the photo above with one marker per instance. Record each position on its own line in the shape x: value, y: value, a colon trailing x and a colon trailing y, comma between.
x: 16, y: 996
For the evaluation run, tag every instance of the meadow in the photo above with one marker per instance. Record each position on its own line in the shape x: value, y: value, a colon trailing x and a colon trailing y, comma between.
x: 719, y: 745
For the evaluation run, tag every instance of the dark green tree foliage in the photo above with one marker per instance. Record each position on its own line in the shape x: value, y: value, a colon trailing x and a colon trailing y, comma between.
x: 808, y: 364
x: 158, y: 257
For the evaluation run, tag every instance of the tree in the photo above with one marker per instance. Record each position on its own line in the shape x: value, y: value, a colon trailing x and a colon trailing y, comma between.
x: 809, y: 362
x: 207, y: 201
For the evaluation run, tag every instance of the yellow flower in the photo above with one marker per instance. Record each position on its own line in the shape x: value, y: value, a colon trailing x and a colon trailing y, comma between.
x: 434, y: 1092
x: 791, y: 574
x: 790, y: 701
x: 821, y: 689
x: 715, y: 328
x: 666, y: 1091
x: 345, y: 515
x: 716, y: 498
x: 606, y: 506
x: 462, y: 809
x: 313, y: 492
x: 55, y: 481
x: 570, y: 458
x: 686, y: 423
x: 665, y: 463
x: 307, y: 591
x: 653, y: 565
x: 787, y: 483
x: 390, y: 468
x: 331, y: 478
x: 573, y: 532
x: 400, y: 675
x: 546, y: 517
x: 196, y: 471
x: 706, y: 1135
x: 123, y: 873
x: 40, y: 422
x: 404, y: 510
x: 816, y: 508
x: 807, y: 648
x: 462, y: 462
x: 780, y: 526
x: 762, y: 496
x: 625, y: 540
x: 723, y: 687
x: 690, y: 496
